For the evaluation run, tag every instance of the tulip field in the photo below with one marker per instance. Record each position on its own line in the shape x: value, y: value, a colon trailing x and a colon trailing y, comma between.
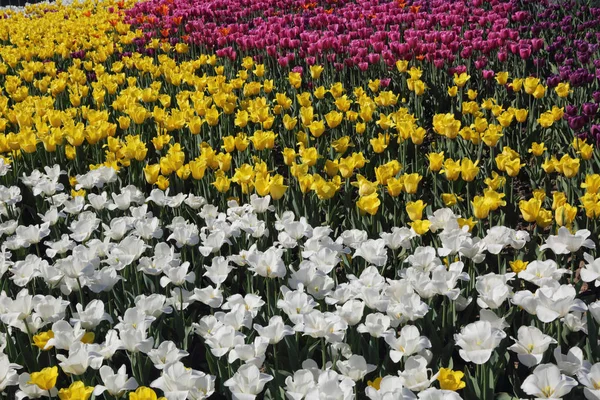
x: 300, y: 200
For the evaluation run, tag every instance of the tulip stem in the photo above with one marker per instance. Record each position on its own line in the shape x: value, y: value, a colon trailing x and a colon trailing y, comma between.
x: 323, y: 353
x: 80, y: 292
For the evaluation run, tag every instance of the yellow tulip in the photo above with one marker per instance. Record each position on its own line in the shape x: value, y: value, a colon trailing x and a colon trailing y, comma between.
x: 502, y: 78
x: 530, y: 209
x: 449, y: 199
x: 518, y: 265
x: 530, y: 84
x: 334, y: 119
x: 395, y: 186
x: 365, y: 187
x: 461, y: 80
x: 315, y: 71
x: 481, y: 209
x: 468, y: 169
x: 591, y: 183
x: 295, y: 79
x: 277, y: 188
x: 369, y: 204
x: 143, y: 393
x: 222, y: 182
x: 317, y: 128
x: 162, y: 182
x: 44, y: 379
x: 451, y: 169
x: 469, y: 222
x: 451, y: 380
x: 565, y: 214
x: 436, y: 161
x: 544, y: 218
x: 414, y: 209
x: 563, y: 89
x: 521, y: 115
x: 420, y: 227
x: 41, y: 339
x: 411, y: 182
x: 537, y: 149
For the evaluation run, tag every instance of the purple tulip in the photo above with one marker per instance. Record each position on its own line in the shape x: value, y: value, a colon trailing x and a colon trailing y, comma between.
x: 590, y: 109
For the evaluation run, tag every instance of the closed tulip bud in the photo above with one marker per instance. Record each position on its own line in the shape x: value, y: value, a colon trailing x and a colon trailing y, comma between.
x: 222, y: 182
x: 502, y: 78
x: 295, y: 79
x: 420, y: 227
x: 481, y: 209
x: 369, y: 204
x: 544, y: 218
x: 521, y: 115
x: 586, y: 151
x: 565, y: 214
x: 562, y: 89
x: 530, y: 209
x: 361, y: 127
x: 228, y: 144
x: 418, y: 135
x: 124, y: 122
x: 401, y: 65
x: 289, y: 156
x: 45, y: 379
x: 450, y: 199
x: 451, y: 169
x: 194, y: 125
x: 70, y: 152
x: 277, y: 188
x: 468, y: 169
x: 331, y: 168
x: 395, y: 186
x: 414, y: 209
x: 436, y: 161
x: 411, y: 182
x: 315, y: 71
x: 151, y: 172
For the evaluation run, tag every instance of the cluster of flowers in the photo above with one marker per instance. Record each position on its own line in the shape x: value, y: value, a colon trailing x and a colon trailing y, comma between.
x: 270, y: 278
x: 559, y: 40
x: 197, y: 122
x: 173, y: 218
x: 345, y: 32
x: 359, y: 34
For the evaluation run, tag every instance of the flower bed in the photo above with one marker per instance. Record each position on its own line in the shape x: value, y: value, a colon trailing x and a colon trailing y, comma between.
x: 225, y: 199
